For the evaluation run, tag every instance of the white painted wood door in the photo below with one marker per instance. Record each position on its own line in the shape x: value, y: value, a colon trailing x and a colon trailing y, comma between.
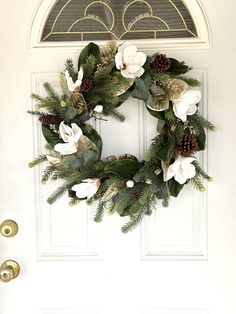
x: 182, y: 260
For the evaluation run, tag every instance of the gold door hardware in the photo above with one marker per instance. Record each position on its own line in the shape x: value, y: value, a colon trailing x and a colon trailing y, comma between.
x: 8, y: 228
x: 9, y: 270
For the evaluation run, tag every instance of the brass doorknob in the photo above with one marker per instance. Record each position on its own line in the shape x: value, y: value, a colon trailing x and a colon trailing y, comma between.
x: 8, y: 228
x: 9, y: 270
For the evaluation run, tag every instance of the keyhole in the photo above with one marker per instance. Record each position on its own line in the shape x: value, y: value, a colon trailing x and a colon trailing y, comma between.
x: 7, y: 231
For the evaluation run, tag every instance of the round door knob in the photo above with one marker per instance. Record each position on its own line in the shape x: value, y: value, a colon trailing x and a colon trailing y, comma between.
x: 9, y: 270
x: 9, y: 228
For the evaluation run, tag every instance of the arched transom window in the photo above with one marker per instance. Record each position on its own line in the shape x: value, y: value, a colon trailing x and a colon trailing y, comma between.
x: 86, y: 20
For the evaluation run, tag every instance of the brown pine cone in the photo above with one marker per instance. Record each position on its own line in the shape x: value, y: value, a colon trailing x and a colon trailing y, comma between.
x: 50, y: 119
x: 188, y: 146
x: 161, y: 63
x: 86, y: 86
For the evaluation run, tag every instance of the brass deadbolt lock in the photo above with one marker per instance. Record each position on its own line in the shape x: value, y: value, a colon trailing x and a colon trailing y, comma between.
x: 8, y: 228
x: 9, y: 270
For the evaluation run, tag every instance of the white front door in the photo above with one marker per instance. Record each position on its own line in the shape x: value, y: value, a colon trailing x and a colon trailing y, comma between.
x: 181, y: 261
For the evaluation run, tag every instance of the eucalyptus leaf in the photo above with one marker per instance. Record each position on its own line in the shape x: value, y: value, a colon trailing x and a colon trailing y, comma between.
x: 89, y: 156
x: 71, y: 162
x: 90, y: 49
x: 125, y: 168
x: 51, y: 137
x: 71, y: 113
x: 156, y: 90
x: 141, y: 91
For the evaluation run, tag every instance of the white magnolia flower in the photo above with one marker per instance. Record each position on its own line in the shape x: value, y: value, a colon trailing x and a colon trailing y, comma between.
x: 130, y: 184
x: 98, y: 109
x: 186, y: 104
x: 182, y: 170
x: 129, y: 61
x: 70, y: 84
x: 87, y: 188
x: 70, y: 136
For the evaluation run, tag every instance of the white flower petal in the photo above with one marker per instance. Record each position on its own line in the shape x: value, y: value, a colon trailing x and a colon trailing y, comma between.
x: 123, y: 47
x: 128, y: 52
x: 119, y: 61
x: 180, y: 109
x: 70, y: 83
x: 192, y: 96
x: 188, y: 171
x: 80, y: 74
x: 172, y: 170
x: 98, y: 109
x: 179, y: 177
x: 65, y: 148
x: 87, y: 188
x: 133, y: 68
x: 191, y: 109
x: 126, y: 74
x: 65, y: 131
x: 139, y: 72
x: 77, y: 132
x: 81, y: 190
x: 138, y: 58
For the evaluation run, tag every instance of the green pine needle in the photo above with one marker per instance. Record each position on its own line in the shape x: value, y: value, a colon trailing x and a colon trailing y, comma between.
x: 37, y: 161
x: 100, y: 212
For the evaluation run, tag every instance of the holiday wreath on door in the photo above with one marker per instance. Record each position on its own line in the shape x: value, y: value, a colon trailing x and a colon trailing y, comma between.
x: 105, y: 78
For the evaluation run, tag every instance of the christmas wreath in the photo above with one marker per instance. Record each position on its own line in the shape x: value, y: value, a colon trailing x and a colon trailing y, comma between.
x: 105, y: 79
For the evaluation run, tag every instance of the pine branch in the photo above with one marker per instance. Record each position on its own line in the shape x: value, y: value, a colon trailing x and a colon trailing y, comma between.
x: 133, y: 223
x: 37, y: 97
x: 89, y: 67
x: 37, y: 161
x: 200, y: 171
x: 154, y: 149
x: 190, y: 81
x: 48, y: 171
x: 69, y: 66
x: 179, y: 132
x: 51, y: 92
x: 199, y: 119
x: 117, y: 115
x: 169, y: 116
x: 100, y: 212
x: 59, y: 193
x: 198, y: 184
x: 36, y: 112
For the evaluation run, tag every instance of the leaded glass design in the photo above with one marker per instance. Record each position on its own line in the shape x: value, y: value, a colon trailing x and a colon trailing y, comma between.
x: 86, y: 20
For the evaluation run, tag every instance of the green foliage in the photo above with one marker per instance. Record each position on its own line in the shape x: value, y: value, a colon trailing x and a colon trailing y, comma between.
x: 125, y: 168
x: 174, y: 187
x: 47, y: 173
x: 37, y: 161
x: 100, y: 212
x: 190, y: 81
x: 177, y: 67
x: 117, y: 115
x: 69, y: 66
x: 50, y: 136
x: 90, y: 49
x: 103, y: 84
x: 89, y: 67
x: 198, y: 119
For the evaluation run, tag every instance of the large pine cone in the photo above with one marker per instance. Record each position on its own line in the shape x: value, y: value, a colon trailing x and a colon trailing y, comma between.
x: 86, y: 86
x: 161, y: 63
x: 50, y: 119
x: 189, y: 145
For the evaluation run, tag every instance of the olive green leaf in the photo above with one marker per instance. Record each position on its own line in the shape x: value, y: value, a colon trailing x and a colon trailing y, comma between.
x: 125, y: 168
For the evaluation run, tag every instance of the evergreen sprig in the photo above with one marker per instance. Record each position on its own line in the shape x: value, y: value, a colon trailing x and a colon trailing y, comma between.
x: 37, y: 161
